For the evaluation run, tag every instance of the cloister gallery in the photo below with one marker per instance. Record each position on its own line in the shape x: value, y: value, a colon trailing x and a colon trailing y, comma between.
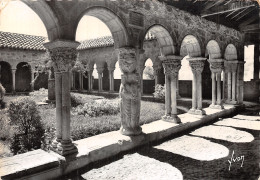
x: 140, y: 30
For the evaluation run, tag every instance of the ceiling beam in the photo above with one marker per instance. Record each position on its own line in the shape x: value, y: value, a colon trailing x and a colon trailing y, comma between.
x: 251, y: 27
x: 212, y: 5
x: 245, y: 14
x: 240, y: 12
x: 226, y: 11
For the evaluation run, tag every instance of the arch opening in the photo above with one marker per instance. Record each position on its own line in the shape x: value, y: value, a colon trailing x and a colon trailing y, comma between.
x: 23, y: 77
x: 6, y: 76
x: 164, y: 39
x: 190, y: 46
x: 230, y: 52
x: 111, y: 21
x: 213, y: 50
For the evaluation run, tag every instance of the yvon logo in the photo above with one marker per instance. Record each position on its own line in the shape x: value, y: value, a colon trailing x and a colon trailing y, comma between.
x: 3, y: 4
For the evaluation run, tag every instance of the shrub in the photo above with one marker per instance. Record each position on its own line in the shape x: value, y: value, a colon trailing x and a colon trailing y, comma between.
x: 159, y: 91
x: 2, y: 94
x: 24, y: 115
x: 75, y: 101
x: 94, y: 108
x: 6, y: 130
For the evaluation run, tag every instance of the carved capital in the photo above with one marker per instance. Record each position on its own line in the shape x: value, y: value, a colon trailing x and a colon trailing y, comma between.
x: 111, y: 69
x: 216, y: 65
x: 197, y: 64
x: 100, y: 70
x: 63, y: 54
x: 127, y: 59
x: 172, y: 66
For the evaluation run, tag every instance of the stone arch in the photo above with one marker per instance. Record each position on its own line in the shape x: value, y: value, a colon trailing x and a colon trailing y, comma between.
x: 49, y: 19
x: 164, y: 39
x: 23, y: 77
x: 6, y: 75
x: 230, y: 52
x: 190, y: 46
x: 213, y: 50
x: 113, y: 22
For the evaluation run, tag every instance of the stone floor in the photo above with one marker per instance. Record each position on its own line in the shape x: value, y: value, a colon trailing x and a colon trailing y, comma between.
x: 201, y: 154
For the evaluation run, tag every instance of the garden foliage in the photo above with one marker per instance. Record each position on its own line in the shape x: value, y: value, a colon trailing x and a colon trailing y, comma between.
x: 94, y: 108
x: 159, y: 91
x: 29, y: 131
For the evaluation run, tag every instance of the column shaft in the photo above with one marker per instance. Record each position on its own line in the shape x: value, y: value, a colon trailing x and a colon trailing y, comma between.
x: 111, y: 81
x: 58, y: 96
x: 90, y: 80
x: 213, y: 77
x: 229, y: 86
x: 167, y: 96
x: 100, y: 83
x: 173, y: 96
x: 219, y: 88
x: 234, y: 78
x: 199, y: 91
x: 13, y: 75
x: 194, y: 91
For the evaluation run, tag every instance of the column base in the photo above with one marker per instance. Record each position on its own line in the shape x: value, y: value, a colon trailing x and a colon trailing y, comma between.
x: 197, y: 112
x: 231, y: 102
x: 172, y: 118
x: 64, y: 147
x: 131, y: 132
x: 215, y: 106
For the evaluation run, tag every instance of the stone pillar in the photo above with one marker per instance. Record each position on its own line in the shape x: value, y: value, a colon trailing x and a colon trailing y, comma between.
x: 216, y: 67
x: 90, y: 82
x: 111, y: 78
x: 13, y: 75
x: 197, y: 65
x: 240, y: 82
x: 141, y: 70
x: 171, y: 65
x: 100, y: 78
x: 130, y: 92
x: 63, y: 54
x: 32, y: 80
x: 231, y: 67
x: 51, y: 85
x: 156, y: 71
x: 177, y: 90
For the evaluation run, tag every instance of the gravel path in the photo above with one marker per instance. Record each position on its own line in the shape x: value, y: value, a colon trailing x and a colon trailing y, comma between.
x: 202, y: 154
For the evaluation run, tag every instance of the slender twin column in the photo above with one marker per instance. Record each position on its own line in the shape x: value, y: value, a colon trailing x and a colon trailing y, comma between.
x: 216, y: 67
x: 156, y: 72
x: 100, y: 78
x: 111, y: 78
x: 90, y: 80
x: 32, y: 79
x: 197, y: 66
x: 63, y: 54
x: 130, y: 92
x: 171, y: 65
x: 231, y: 69
x: 13, y: 75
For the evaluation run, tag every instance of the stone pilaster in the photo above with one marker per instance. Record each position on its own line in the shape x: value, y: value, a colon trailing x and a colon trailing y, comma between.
x: 111, y: 78
x: 63, y: 55
x: 197, y: 65
x: 13, y: 78
x: 171, y: 65
x: 216, y: 67
x: 100, y: 78
x: 130, y: 92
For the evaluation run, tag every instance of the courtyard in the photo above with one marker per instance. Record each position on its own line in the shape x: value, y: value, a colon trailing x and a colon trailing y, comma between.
x: 117, y: 89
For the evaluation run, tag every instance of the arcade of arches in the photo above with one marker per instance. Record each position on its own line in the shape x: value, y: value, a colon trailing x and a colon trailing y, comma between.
x: 209, y: 48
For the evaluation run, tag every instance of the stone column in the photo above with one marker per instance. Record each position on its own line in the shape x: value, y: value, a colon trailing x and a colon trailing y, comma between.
x: 234, y: 83
x: 63, y: 54
x: 256, y: 61
x: 197, y: 65
x: 32, y: 80
x: 177, y: 90
x: 90, y: 82
x: 156, y: 71
x: 141, y: 70
x: 13, y: 75
x: 130, y: 92
x: 111, y: 78
x: 172, y: 65
x: 240, y: 82
x: 51, y: 85
x: 100, y: 79
x: 216, y: 67
x: 231, y: 67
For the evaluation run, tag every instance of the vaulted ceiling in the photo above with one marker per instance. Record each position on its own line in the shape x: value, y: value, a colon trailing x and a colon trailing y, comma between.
x: 242, y: 15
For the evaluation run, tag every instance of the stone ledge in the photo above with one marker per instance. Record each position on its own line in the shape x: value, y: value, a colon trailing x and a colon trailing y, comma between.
x: 43, y: 165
